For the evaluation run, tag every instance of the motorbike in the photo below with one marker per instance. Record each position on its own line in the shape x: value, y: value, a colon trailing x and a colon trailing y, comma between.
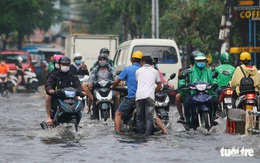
x: 162, y: 102
x: 103, y: 105
x: 30, y: 83
x: 68, y: 108
x: 225, y: 97
x: 5, y: 85
x: 202, y: 106
x: 249, y: 100
x: 84, y: 79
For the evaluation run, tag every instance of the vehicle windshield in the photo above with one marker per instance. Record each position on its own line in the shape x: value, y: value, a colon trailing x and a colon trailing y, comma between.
x: 165, y: 54
x: 12, y: 58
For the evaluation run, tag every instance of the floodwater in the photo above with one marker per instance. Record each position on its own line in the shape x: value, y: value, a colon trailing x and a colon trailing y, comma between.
x: 23, y: 140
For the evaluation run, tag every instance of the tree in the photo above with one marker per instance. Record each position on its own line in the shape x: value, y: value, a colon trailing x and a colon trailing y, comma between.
x: 128, y: 17
x: 24, y: 16
x: 193, y: 24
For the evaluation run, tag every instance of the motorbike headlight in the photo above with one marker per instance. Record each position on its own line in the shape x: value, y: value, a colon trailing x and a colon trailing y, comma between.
x: 201, y: 87
x: 103, y: 83
x: 70, y: 94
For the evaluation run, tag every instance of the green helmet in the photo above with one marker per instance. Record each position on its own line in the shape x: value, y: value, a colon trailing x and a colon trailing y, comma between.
x: 225, y: 58
x: 200, y: 56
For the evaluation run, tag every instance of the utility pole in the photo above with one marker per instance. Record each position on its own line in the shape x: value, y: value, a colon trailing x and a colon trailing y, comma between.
x: 155, y: 19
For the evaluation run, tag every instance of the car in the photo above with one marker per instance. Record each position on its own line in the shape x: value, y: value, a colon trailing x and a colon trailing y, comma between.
x: 11, y: 58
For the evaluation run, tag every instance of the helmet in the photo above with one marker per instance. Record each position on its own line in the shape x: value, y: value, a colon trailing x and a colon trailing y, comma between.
x: 225, y: 57
x: 192, y: 56
x: 19, y: 58
x: 64, y: 60
x: 104, y: 50
x: 77, y: 56
x: 137, y: 54
x: 200, y: 56
x: 245, y: 56
x: 56, y: 58
x: 102, y: 56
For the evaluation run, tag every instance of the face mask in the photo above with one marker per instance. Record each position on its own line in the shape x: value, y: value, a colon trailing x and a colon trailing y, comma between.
x: 2, y: 62
x: 78, y: 62
x: 64, y: 68
x: 102, y: 63
x: 201, y: 64
x: 57, y: 66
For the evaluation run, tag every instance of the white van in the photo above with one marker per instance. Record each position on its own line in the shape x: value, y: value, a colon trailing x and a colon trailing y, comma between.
x: 165, y: 50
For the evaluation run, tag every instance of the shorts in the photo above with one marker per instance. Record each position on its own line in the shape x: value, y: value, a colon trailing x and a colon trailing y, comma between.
x: 126, y: 107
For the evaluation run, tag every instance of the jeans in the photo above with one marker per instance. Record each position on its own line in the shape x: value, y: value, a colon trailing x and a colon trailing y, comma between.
x: 144, y: 118
x: 126, y: 107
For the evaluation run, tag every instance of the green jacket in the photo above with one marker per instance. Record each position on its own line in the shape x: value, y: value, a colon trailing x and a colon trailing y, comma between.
x: 198, y: 74
x: 224, y: 79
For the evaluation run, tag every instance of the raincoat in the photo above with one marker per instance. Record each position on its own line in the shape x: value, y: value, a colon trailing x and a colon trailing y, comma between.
x: 238, y: 75
x: 204, y: 74
x: 222, y: 79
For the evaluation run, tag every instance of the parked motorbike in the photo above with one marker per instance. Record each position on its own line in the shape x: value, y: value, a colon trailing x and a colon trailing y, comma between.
x: 4, y: 85
x: 202, y: 106
x: 69, y: 109
x: 104, y: 101
x: 162, y: 102
x: 30, y: 81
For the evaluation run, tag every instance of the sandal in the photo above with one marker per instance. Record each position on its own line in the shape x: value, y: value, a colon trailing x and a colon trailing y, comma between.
x: 181, y: 120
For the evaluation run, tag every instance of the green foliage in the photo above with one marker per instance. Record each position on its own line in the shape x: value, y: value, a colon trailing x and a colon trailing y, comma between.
x: 193, y: 22
x: 24, y: 16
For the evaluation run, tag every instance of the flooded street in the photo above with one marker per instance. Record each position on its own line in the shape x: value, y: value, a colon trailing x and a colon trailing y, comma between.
x: 23, y: 140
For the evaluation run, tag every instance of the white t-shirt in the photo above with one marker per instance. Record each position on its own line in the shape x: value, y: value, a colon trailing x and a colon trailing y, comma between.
x: 146, y: 78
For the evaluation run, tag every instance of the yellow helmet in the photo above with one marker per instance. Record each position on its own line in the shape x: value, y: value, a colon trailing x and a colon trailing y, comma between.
x: 245, y: 56
x: 137, y: 54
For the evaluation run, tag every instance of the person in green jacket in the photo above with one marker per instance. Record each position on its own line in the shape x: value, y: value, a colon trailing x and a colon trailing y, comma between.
x: 224, y: 72
x: 199, y: 73
x: 51, y: 65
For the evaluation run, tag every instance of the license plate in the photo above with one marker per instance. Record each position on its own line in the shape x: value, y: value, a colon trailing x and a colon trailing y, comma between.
x: 227, y: 100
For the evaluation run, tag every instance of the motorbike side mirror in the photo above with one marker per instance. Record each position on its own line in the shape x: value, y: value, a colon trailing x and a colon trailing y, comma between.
x: 225, y: 73
x: 118, y: 72
x: 180, y: 77
x: 172, y: 76
x: 215, y: 75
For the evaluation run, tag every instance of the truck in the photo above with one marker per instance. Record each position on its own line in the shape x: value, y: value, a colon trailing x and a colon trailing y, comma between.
x: 89, y: 46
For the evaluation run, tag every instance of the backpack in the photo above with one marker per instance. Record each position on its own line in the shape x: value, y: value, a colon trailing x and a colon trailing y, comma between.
x: 246, y: 83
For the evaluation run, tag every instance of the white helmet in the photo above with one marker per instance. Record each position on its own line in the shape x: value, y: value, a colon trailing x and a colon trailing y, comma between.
x: 77, y: 56
x: 19, y: 58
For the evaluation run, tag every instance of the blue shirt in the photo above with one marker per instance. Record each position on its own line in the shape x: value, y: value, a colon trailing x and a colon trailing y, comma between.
x: 129, y: 75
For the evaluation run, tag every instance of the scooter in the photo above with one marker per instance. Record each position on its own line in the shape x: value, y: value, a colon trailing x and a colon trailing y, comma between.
x: 30, y: 81
x: 225, y: 97
x: 104, y: 101
x: 4, y: 85
x: 201, y: 112
x: 84, y: 80
x: 68, y: 108
x: 162, y: 102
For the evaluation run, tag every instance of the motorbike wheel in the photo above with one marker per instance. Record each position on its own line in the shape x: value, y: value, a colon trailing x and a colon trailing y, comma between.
x: 205, y: 120
x: 33, y: 86
x: 75, y: 122
x: 105, y: 114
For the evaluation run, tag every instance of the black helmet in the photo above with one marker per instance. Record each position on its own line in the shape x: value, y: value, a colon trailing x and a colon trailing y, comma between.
x: 104, y: 50
x: 64, y: 60
x: 102, y: 56
x: 193, y: 55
